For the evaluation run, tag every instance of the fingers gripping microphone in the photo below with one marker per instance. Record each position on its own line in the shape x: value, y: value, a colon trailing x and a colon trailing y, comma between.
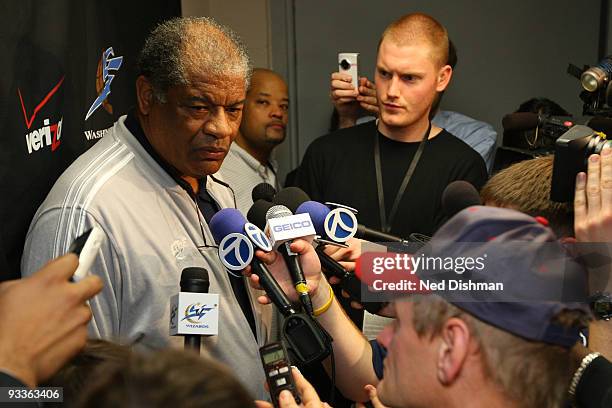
x: 194, y: 312
x: 291, y: 258
x: 306, y: 339
x: 230, y: 224
x: 350, y: 283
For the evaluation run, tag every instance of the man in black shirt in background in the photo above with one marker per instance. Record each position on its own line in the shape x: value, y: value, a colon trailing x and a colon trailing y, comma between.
x: 368, y: 166
x: 342, y: 167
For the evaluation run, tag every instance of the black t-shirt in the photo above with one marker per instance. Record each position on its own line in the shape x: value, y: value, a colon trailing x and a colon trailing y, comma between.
x: 595, y: 387
x: 339, y: 167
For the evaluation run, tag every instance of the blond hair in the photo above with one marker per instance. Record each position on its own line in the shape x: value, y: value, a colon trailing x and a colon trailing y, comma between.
x: 525, y: 186
x: 419, y: 28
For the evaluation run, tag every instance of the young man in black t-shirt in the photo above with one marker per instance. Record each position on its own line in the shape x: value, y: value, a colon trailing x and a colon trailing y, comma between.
x: 366, y: 166
x: 411, y: 69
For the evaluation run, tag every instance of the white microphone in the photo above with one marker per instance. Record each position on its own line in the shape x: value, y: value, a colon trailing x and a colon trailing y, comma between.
x: 193, y: 311
x: 283, y: 227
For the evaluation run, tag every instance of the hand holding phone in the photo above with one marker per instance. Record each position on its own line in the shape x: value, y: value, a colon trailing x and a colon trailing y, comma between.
x: 86, y: 247
x: 348, y: 64
x: 278, y: 371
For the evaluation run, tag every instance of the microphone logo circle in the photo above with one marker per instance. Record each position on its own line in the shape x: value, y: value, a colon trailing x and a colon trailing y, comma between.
x: 258, y: 237
x: 236, y: 251
x: 340, y: 224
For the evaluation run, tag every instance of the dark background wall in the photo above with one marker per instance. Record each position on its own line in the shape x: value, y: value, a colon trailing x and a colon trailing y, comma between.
x: 509, y: 51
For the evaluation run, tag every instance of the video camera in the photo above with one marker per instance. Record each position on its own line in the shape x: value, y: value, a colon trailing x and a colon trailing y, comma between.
x: 573, y: 148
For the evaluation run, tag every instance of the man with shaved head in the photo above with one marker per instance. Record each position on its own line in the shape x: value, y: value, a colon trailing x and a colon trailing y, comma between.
x: 264, y: 120
x: 149, y: 185
x: 401, y: 163
x: 394, y: 170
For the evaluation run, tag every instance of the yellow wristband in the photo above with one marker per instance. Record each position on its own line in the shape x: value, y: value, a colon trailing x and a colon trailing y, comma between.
x: 327, y: 304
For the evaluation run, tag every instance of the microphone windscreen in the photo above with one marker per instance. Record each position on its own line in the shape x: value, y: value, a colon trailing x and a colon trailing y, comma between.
x: 291, y: 197
x: 520, y: 121
x: 317, y: 212
x: 257, y: 213
x: 458, y: 196
x: 195, y: 279
x: 278, y: 211
x: 263, y: 191
x: 225, y: 222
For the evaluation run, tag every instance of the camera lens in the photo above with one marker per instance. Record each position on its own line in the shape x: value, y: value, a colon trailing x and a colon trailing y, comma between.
x: 345, y: 64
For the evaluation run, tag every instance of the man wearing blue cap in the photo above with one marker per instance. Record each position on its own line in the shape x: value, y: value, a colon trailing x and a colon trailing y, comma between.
x: 489, y: 349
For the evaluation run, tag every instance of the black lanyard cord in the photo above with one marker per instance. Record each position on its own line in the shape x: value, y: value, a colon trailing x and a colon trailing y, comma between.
x: 384, y: 223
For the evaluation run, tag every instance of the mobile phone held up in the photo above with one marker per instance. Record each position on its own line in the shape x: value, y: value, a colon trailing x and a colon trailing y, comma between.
x: 348, y: 64
x: 86, y: 247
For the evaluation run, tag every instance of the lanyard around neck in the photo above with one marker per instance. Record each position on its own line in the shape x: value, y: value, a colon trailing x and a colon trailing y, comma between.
x: 384, y: 223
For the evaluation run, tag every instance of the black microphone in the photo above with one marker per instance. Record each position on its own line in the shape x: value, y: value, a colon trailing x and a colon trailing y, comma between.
x: 291, y: 197
x: 529, y: 120
x: 373, y: 235
x: 458, y: 196
x: 257, y: 213
x: 263, y: 191
x: 231, y: 221
x: 195, y: 280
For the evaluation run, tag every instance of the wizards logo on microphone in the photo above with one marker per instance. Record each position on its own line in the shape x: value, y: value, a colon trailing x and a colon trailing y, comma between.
x: 195, y: 312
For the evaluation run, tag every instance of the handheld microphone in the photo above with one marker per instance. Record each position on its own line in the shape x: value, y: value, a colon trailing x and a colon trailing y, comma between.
x: 280, y: 212
x: 458, y: 196
x: 230, y: 223
x: 318, y: 213
x: 529, y: 120
x: 349, y: 282
x: 194, y: 312
x: 306, y: 339
x: 263, y: 191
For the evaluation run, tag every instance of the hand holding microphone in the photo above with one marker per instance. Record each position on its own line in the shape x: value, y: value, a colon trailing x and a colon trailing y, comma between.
x: 304, y: 257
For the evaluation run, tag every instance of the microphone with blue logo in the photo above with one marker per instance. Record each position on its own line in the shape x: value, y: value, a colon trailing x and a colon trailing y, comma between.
x: 319, y: 213
x: 237, y: 240
x: 283, y: 227
x: 193, y: 311
x: 322, y: 219
x: 335, y: 226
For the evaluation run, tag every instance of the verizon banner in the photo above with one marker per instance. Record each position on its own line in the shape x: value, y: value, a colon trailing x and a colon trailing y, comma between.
x: 67, y: 73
